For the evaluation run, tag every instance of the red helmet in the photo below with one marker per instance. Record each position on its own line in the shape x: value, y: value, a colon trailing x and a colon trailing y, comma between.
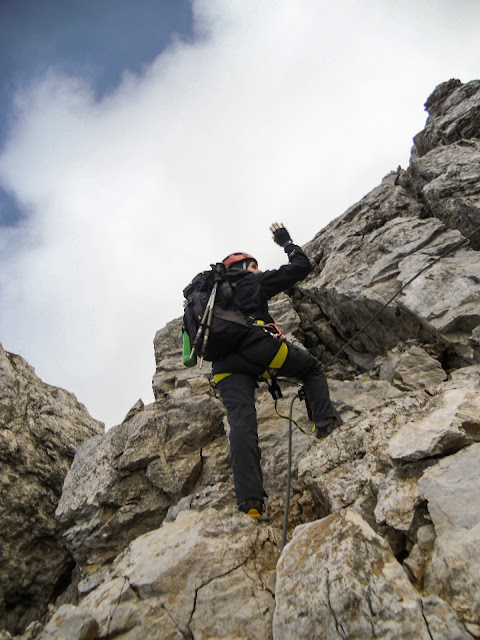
x: 237, y: 257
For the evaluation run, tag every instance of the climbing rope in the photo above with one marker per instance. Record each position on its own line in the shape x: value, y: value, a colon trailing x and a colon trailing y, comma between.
x: 297, y: 395
x: 333, y: 359
x: 289, y: 473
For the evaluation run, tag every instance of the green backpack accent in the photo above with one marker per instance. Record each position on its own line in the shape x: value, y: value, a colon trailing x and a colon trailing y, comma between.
x: 187, y: 349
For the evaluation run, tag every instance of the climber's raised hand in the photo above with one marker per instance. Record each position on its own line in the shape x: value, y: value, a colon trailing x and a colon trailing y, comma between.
x: 280, y: 235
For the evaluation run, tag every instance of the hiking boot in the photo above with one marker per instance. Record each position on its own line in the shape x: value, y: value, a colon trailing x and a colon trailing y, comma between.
x: 325, y: 427
x: 253, y: 507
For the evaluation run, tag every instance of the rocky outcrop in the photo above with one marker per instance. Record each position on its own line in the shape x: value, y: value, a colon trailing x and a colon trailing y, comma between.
x: 41, y: 427
x: 123, y: 484
x: 366, y: 257
x: 353, y: 587
x: 384, y: 521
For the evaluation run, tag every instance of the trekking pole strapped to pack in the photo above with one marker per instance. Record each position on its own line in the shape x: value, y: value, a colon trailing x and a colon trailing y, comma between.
x: 205, y: 315
x: 207, y: 323
x: 202, y: 335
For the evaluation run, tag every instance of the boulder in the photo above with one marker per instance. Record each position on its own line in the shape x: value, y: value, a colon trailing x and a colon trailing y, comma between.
x: 338, y: 579
x: 205, y: 575
x: 412, y: 368
x: 450, y: 421
x: 452, y: 491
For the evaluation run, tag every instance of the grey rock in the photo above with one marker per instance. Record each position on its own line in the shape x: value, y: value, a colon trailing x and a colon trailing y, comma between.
x: 454, y: 110
x: 399, y: 497
x: 412, y: 368
x: 348, y: 468
x: 450, y: 421
x: 377, y: 264
x: 122, y: 485
x: 447, y: 180
x: 318, y: 597
x: 137, y: 408
x: 454, y: 573
x: 447, y: 297
x: 452, y: 489
x: 442, y: 621
x: 41, y: 427
x: 202, y: 576
x: 71, y: 623
x: 420, y: 554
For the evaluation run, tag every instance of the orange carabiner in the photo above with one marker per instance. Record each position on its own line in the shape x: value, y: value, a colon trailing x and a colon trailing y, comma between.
x: 278, y: 333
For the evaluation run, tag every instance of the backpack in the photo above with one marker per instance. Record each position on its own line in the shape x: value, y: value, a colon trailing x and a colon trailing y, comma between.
x: 228, y: 326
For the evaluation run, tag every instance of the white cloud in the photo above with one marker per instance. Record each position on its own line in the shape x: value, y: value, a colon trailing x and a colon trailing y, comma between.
x: 280, y: 111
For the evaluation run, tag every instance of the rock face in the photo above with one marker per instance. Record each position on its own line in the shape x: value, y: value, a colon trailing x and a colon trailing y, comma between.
x: 384, y: 520
x: 41, y: 427
x: 375, y: 601
x: 127, y: 480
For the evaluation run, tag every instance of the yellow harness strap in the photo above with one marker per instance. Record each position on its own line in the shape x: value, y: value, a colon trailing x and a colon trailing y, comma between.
x: 220, y: 376
x: 276, y: 363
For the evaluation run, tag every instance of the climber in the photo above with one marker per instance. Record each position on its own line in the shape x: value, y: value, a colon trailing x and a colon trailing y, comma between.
x: 262, y: 351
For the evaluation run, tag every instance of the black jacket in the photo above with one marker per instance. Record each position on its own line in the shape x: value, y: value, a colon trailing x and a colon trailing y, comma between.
x: 252, y: 293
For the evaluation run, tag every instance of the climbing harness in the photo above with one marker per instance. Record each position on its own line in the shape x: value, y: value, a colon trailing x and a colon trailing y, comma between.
x: 270, y: 372
x: 301, y: 393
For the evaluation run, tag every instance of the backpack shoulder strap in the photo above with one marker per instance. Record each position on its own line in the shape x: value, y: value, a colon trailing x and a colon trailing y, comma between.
x: 229, y: 314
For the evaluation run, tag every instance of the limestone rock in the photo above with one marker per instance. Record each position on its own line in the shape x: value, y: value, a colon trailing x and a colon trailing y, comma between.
x: 412, y: 368
x: 454, y: 573
x: 447, y: 180
x: 450, y: 421
x: 447, y: 296
x: 420, y: 554
x: 355, y: 397
x: 444, y: 171
x: 377, y: 264
x: 168, y: 355
x: 454, y: 110
x: 348, y: 468
x: 452, y: 490
x: 71, y: 623
x: 203, y: 576
x: 41, y: 427
x: 443, y: 623
x: 338, y: 579
x: 399, y: 497
x: 122, y: 485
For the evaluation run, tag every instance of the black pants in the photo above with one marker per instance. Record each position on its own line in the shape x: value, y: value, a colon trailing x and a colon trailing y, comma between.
x: 238, y: 395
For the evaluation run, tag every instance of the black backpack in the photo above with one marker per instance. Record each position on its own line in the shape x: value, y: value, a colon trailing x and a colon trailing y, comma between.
x: 228, y: 325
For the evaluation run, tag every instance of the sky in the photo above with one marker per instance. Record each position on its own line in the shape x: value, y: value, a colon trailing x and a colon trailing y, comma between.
x: 141, y: 141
